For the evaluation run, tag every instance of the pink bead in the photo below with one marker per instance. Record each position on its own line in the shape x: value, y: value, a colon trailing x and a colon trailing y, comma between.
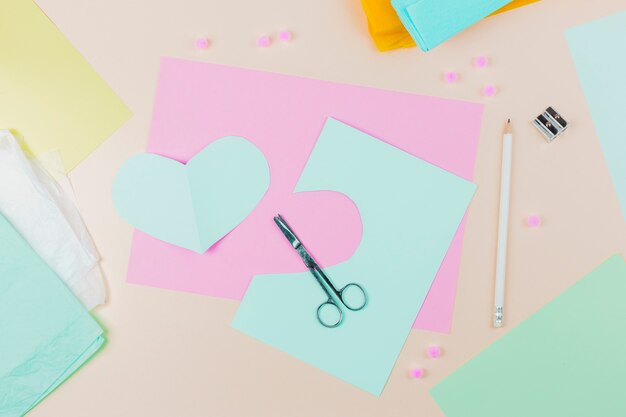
x: 264, y: 41
x: 202, y: 43
x: 489, y: 90
x: 417, y: 373
x: 533, y: 221
x: 451, y: 77
x: 434, y: 351
x: 285, y: 35
x: 481, y: 61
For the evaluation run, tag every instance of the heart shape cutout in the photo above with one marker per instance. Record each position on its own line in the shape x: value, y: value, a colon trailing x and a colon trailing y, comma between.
x: 196, y: 204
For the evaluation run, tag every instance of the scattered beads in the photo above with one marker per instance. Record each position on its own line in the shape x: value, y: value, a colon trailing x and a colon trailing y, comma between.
x: 285, y: 35
x: 202, y: 43
x: 481, y: 61
x: 451, y: 77
x: 417, y: 373
x: 489, y: 90
x: 533, y: 221
x: 433, y: 351
x: 263, y: 41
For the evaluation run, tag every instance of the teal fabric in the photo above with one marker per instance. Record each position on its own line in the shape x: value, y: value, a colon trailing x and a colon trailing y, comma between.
x: 598, y: 51
x: 431, y: 22
x: 45, y: 332
x: 410, y: 211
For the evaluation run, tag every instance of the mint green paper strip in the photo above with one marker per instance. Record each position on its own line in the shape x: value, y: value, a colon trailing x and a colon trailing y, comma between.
x: 598, y: 52
x: 45, y: 333
x: 431, y: 22
x: 410, y: 211
x: 566, y: 360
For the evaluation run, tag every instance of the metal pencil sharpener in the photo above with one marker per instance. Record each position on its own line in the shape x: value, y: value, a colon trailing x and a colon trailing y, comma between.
x: 550, y: 124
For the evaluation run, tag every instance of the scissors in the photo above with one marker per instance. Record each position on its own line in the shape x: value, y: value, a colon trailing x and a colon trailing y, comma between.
x: 355, y: 301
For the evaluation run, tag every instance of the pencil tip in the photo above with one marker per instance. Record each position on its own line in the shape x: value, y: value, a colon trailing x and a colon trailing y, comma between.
x: 508, y: 128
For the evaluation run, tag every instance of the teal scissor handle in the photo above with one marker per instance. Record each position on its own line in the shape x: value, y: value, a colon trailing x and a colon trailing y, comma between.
x: 331, y: 320
x: 345, y: 296
x: 324, y: 319
x: 347, y: 299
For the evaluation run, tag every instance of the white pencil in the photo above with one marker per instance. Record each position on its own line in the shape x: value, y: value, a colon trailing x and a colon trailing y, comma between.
x: 503, y: 225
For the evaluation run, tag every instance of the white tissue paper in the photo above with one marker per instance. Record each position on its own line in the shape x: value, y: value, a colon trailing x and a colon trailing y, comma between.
x: 46, y: 217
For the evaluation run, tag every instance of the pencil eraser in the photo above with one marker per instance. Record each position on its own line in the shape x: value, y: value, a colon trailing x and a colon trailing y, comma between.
x: 533, y: 221
x: 489, y: 90
x: 417, y: 373
x: 263, y: 41
x: 285, y: 35
x: 433, y: 351
x: 481, y: 61
x: 451, y: 77
x: 202, y: 43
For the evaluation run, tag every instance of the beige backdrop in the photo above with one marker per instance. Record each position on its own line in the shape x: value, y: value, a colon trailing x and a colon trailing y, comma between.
x: 175, y: 355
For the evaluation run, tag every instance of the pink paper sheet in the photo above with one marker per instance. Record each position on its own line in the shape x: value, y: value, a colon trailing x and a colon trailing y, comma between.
x: 197, y: 103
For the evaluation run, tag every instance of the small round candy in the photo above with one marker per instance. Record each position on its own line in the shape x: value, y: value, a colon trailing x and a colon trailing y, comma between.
x: 285, y: 35
x: 202, y: 43
x: 533, y: 220
x: 417, y: 373
x: 451, y: 77
x: 489, y: 90
x: 481, y: 61
x: 264, y: 41
x: 434, y: 351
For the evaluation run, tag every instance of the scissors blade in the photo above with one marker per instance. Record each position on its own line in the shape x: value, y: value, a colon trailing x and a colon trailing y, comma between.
x: 294, y: 241
x: 289, y: 234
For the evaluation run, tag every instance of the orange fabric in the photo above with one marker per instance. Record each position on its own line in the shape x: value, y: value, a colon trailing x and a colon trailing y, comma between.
x: 514, y: 5
x: 387, y: 30
x: 385, y: 26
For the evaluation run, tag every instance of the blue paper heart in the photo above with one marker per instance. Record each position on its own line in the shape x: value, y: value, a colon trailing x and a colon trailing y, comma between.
x: 193, y: 205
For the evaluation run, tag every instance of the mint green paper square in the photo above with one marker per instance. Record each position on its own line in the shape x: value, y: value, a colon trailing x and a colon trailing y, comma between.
x: 566, y: 360
x: 598, y: 52
x: 410, y: 211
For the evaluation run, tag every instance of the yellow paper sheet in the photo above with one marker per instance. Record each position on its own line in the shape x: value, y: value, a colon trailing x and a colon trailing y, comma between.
x: 49, y: 94
x: 389, y: 33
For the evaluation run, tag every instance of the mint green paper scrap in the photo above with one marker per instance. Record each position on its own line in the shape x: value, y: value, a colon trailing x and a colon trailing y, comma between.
x: 196, y: 204
x: 566, y: 360
x: 45, y: 332
x: 410, y: 211
x: 431, y: 22
x: 598, y: 52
